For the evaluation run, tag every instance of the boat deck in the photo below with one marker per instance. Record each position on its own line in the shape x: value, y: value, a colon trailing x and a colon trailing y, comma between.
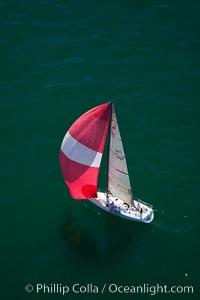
x: 140, y: 212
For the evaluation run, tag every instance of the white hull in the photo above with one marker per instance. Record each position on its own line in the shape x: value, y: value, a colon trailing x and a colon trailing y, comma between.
x: 119, y: 208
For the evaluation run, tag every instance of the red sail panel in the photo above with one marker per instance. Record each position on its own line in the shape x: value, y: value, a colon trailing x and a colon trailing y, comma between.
x: 81, y: 152
x: 92, y: 123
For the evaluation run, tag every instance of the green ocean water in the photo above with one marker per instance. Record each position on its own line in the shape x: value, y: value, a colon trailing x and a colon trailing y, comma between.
x: 59, y: 59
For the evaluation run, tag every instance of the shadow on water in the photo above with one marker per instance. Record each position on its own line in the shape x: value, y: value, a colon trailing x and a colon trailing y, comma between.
x: 96, y: 235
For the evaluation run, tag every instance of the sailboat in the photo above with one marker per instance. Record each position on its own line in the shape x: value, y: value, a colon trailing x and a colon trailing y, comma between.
x: 80, y: 159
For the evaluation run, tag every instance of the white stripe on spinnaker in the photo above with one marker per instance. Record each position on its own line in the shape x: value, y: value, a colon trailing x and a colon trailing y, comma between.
x: 80, y: 153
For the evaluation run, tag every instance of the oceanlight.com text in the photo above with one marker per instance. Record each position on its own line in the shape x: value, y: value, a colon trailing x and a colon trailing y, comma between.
x: 111, y: 288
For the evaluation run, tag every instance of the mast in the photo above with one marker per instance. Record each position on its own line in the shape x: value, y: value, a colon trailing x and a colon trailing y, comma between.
x: 108, y: 154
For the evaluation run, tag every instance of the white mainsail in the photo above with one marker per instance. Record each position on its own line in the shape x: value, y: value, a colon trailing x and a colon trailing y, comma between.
x: 118, y: 178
